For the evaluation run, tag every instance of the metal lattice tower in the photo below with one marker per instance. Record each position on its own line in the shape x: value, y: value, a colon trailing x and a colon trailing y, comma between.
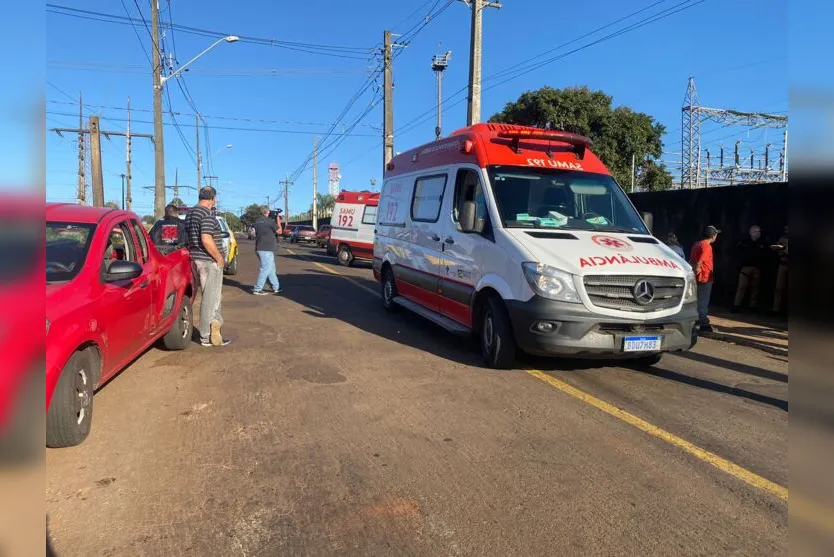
x: 438, y: 65
x: 333, y: 179
x: 696, y: 171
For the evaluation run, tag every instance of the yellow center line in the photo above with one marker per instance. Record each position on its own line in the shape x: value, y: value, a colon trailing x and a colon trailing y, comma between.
x: 335, y: 272
x: 711, y: 458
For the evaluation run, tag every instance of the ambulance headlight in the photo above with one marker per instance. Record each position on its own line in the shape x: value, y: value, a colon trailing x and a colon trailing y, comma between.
x: 551, y: 283
x: 690, y: 293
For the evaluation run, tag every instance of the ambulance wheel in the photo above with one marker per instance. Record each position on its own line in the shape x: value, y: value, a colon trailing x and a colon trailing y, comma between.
x: 498, y: 346
x: 389, y: 290
x: 345, y: 256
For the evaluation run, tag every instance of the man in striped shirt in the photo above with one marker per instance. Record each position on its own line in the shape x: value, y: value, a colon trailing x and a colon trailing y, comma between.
x: 204, y: 236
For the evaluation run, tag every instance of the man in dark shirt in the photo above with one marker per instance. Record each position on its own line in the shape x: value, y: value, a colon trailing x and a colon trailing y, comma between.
x: 170, y: 230
x: 266, y: 232
x: 203, y: 232
x: 750, y: 255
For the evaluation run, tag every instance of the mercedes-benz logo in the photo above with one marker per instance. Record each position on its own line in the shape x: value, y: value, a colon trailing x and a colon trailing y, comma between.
x: 643, y: 292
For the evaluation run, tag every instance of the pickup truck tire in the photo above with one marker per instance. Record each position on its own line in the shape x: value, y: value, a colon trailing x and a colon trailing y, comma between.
x: 345, y: 256
x: 71, y: 408
x: 178, y: 336
x: 498, y: 346
x: 232, y: 268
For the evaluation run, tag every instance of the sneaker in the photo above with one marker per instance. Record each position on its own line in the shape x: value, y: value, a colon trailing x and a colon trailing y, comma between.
x: 215, y: 336
x: 259, y: 293
x: 208, y: 344
x: 279, y: 291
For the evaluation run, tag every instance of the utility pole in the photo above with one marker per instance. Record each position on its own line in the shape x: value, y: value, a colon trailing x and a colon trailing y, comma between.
x: 388, y: 102
x: 473, y: 107
x: 82, y: 183
x: 159, y: 150
x: 286, y: 183
x: 315, y: 182
x: 176, y: 183
x: 439, y: 65
x: 129, y: 198
x: 199, y: 156
x: 633, y: 160
x: 785, y: 157
x: 123, y: 190
x: 95, y: 162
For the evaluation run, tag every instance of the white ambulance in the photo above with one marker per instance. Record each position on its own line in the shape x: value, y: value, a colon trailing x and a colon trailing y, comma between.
x: 522, y: 236
x: 352, y: 226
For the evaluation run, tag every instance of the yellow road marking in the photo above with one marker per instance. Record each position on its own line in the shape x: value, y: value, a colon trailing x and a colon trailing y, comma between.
x: 335, y: 272
x: 711, y: 458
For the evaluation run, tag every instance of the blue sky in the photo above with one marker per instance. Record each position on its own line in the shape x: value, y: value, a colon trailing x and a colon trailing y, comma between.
x: 735, y: 49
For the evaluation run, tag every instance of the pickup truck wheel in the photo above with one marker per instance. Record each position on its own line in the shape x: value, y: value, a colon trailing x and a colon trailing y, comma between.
x: 345, y: 256
x: 71, y: 408
x: 178, y: 336
x: 389, y: 290
x: 232, y: 268
x: 498, y: 346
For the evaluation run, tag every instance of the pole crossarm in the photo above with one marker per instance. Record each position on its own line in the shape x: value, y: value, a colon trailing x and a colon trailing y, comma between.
x: 737, y: 117
x: 107, y: 134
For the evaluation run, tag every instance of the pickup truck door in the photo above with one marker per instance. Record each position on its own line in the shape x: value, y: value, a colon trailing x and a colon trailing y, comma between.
x: 125, y: 305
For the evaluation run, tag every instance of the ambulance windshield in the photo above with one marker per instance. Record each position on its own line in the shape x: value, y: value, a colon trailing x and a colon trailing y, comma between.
x: 562, y: 199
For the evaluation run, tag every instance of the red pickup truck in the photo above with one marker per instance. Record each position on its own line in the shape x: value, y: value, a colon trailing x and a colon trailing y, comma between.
x: 110, y: 294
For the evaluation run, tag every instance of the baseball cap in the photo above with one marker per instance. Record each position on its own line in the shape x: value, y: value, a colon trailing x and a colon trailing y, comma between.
x: 207, y: 192
x: 710, y: 231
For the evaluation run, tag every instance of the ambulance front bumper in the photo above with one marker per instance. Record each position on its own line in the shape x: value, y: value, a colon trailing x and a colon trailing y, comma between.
x: 574, y: 331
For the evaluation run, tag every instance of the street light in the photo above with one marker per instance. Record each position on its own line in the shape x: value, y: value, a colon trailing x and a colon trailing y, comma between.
x: 229, y: 39
x: 229, y: 146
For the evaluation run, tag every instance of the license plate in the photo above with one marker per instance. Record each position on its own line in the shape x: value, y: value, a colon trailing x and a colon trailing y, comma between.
x: 641, y: 344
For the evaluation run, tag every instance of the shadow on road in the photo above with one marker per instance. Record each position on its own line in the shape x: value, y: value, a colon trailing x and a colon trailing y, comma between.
x: 735, y: 366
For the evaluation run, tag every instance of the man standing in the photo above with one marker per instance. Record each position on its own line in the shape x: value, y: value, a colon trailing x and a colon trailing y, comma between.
x: 266, y: 231
x: 675, y: 245
x: 203, y: 232
x: 701, y: 259
x: 781, y: 247
x: 750, y: 255
x: 170, y: 230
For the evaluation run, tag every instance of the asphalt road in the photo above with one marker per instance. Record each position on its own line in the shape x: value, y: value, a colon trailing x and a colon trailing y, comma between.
x: 330, y: 427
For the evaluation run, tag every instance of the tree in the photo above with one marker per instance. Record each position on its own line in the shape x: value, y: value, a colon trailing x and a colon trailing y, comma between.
x: 112, y: 205
x: 251, y: 214
x: 324, y: 203
x: 232, y: 220
x: 148, y: 219
x: 618, y: 133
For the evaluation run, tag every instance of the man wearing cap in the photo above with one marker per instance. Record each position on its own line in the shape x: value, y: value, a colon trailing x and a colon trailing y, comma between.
x: 203, y: 238
x: 701, y: 259
x: 169, y: 231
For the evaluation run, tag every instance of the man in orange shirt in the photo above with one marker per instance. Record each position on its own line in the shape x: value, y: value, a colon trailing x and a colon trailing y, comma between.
x: 701, y: 260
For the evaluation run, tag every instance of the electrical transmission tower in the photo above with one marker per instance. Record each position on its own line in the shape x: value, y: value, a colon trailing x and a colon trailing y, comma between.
x: 698, y: 171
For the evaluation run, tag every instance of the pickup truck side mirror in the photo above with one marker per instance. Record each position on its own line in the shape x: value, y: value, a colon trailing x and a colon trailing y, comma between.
x: 122, y: 270
x: 225, y: 235
x: 467, y: 217
x: 648, y: 220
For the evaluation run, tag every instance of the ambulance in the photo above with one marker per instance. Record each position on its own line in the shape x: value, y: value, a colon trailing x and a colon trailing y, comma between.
x: 522, y: 236
x: 352, y: 226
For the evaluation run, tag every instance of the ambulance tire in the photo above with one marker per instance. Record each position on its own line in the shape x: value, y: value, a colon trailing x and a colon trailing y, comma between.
x: 497, y: 340
x: 345, y: 256
x: 389, y: 290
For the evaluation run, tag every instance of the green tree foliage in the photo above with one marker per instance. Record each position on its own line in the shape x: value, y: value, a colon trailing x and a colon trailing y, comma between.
x: 148, y: 219
x: 112, y: 205
x: 324, y: 202
x: 617, y: 133
x: 251, y: 214
x: 232, y: 220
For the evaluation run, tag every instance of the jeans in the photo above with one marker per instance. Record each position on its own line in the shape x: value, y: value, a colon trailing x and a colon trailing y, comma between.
x: 267, y: 271
x: 704, y: 291
x: 210, y: 275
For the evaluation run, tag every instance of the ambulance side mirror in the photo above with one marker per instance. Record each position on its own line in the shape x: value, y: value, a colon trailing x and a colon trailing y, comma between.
x: 467, y: 216
x: 648, y: 220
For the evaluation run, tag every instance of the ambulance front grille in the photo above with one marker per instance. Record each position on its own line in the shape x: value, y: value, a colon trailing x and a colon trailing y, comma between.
x: 617, y: 292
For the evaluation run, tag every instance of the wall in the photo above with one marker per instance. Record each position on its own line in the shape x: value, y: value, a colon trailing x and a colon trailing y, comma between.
x: 732, y: 209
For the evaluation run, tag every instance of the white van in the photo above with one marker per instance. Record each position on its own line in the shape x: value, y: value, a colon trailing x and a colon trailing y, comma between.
x: 352, y: 226
x: 522, y: 236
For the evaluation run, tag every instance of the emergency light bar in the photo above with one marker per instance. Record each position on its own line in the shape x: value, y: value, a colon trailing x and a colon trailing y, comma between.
x: 578, y: 142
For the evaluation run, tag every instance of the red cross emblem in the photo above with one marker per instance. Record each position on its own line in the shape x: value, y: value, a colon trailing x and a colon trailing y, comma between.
x: 611, y: 243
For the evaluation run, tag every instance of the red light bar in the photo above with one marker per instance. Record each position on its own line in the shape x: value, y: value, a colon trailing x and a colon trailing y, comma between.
x: 579, y: 142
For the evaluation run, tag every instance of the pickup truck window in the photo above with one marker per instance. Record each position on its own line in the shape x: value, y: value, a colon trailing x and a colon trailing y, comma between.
x: 140, y: 235
x: 120, y: 246
x: 67, y: 245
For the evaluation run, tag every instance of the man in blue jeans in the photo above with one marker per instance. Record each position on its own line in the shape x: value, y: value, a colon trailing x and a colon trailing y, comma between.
x: 266, y: 232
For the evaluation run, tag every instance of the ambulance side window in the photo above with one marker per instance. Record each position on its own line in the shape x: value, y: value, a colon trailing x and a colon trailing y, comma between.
x: 427, y: 198
x: 468, y: 188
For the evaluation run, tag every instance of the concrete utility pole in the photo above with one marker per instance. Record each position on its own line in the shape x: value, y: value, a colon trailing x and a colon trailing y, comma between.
x: 82, y: 183
x: 315, y: 182
x: 129, y: 193
x: 388, y: 102
x: 633, y: 160
x: 473, y: 107
x: 286, y: 183
x: 95, y: 162
x: 159, y: 149
x: 123, y: 190
x: 439, y: 65
x: 199, y: 156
